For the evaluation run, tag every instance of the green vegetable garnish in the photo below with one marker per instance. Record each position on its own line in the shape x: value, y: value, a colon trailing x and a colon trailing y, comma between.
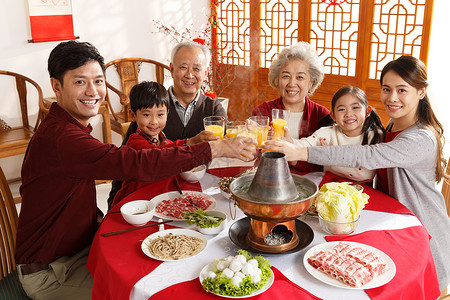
x: 201, y: 219
x: 222, y: 285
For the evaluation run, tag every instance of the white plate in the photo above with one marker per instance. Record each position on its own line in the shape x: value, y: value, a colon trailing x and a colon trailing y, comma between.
x: 172, y: 196
x: 176, y: 231
x: 376, y: 282
x: 210, y: 267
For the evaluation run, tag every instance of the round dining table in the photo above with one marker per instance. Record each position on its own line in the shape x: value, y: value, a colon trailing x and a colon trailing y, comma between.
x: 122, y: 271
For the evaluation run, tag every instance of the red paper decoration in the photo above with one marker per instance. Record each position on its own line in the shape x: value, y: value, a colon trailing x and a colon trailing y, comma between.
x: 50, y: 21
x: 211, y: 94
x: 334, y: 2
x: 199, y: 41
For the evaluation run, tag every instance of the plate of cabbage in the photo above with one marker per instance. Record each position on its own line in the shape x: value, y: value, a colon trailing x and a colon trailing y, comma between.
x: 239, y: 276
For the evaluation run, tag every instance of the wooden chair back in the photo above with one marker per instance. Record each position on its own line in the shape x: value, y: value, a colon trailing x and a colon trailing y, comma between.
x: 8, y: 227
x: 446, y: 191
x: 14, y: 141
x: 128, y: 70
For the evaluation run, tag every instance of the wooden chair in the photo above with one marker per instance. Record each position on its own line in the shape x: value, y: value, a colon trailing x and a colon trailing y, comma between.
x: 15, y: 140
x: 444, y: 295
x: 10, y: 287
x: 128, y: 70
x: 446, y: 191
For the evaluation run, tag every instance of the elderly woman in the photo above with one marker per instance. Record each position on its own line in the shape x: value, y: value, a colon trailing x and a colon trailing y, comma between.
x: 296, y: 73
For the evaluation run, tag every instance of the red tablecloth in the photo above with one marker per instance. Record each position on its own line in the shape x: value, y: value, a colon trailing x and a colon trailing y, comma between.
x: 416, y: 274
x: 117, y: 262
x: 282, y: 288
x: 227, y: 172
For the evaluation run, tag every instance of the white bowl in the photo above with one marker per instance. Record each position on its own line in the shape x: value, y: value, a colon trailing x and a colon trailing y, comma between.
x: 225, y: 194
x: 214, y: 230
x: 138, y: 212
x: 337, y: 228
x: 195, y: 174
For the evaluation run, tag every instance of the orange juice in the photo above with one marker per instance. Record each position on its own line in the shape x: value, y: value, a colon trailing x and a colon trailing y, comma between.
x: 216, y: 129
x: 278, y: 125
x: 232, y: 132
x: 262, y: 135
x: 248, y: 133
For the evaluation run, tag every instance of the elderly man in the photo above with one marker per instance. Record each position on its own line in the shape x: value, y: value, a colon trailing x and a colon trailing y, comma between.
x: 188, y: 105
x: 59, y: 214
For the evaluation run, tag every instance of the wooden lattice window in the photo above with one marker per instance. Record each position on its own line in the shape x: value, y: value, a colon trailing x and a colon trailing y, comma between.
x: 334, y: 33
x: 398, y: 27
x: 233, y: 32
x: 354, y: 40
x: 279, y: 27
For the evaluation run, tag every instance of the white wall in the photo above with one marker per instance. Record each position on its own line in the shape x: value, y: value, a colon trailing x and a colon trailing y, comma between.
x: 121, y: 28
x: 439, y: 66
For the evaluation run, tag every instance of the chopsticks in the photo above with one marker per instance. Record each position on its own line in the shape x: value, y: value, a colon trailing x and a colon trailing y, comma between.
x: 177, y: 184
x: 134, y: 228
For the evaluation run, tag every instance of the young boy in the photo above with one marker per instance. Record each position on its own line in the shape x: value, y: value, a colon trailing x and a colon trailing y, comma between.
x: 149, y: 103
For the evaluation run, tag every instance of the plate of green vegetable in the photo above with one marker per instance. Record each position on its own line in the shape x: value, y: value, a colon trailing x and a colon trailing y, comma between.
x: 206, y: 222
x: 239, y: 276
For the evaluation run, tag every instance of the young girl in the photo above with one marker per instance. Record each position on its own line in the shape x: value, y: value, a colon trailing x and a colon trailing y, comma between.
x: 356, y: 123
x: 411, y: 154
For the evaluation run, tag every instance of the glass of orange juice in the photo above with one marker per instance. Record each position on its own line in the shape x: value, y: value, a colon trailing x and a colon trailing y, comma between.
x: 215, y: 124
x: 279, y: 120
x: 234, y: 128
x: 260, y: 124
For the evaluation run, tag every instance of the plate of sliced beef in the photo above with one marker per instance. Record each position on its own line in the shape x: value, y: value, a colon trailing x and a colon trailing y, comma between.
x: 172, y: 205
x: 349, y: 265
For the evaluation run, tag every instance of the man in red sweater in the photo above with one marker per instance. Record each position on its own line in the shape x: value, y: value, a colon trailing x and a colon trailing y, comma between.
x: 59, y: 215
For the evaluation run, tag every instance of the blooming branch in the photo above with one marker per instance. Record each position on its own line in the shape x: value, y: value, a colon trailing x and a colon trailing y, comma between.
x: 215, y: 82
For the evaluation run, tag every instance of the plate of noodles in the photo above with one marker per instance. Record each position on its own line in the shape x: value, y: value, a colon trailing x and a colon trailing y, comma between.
x: 174, y: 244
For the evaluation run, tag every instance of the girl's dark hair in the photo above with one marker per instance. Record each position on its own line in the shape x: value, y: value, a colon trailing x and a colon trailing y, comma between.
x: 70, y: 56
x: 414, y: 72
x: 372, y: 122
x: 148, y: 94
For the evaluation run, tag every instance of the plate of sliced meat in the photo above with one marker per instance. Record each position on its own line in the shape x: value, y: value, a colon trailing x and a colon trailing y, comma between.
x: 349, y: 265
x: 172, y: 205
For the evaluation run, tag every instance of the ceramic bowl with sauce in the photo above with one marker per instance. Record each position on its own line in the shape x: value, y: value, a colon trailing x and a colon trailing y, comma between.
x: 138, y: 212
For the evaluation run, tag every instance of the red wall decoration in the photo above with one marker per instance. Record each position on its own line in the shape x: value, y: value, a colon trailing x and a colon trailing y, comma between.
x: 51, y: 20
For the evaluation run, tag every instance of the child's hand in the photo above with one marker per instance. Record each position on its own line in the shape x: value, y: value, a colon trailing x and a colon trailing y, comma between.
x: 203, y: 136
x: 292, y: 152
x: 322, y: 142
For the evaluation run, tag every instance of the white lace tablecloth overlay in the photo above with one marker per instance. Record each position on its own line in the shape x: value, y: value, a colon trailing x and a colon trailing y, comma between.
x: 291, y: 264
